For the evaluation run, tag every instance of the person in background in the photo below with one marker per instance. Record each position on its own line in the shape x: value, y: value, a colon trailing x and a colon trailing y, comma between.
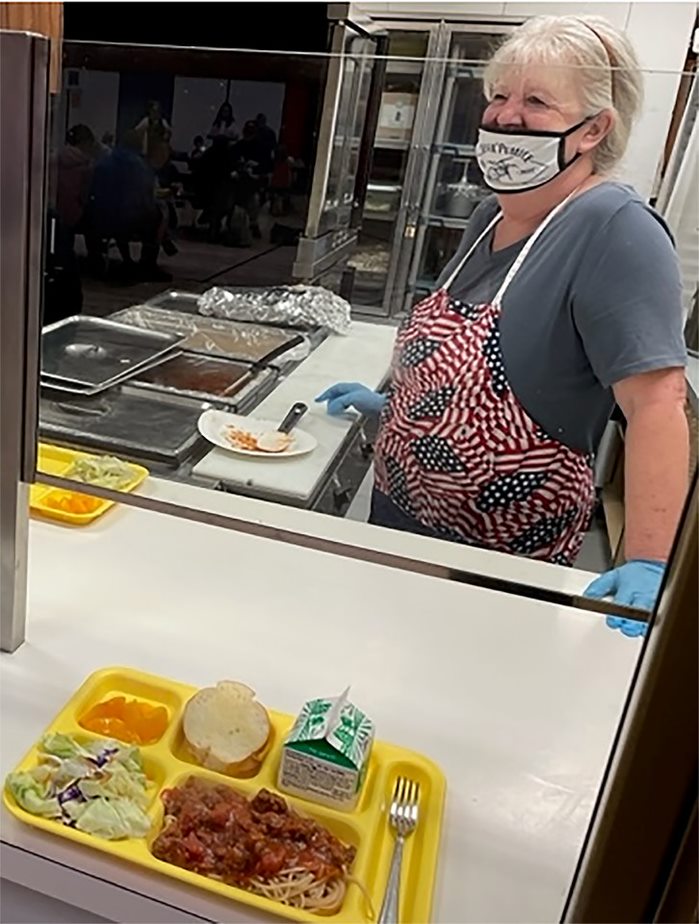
x: 75, y: 165
x: 123, y: 206
x: 168, y: 187
x: 563, y: 299
x: 75, y: 162
x: 198, y: 149
x: 280, y: 183
x: 266, y: 135
x: 253, y: 167
x: 153, y: 129
x: 224, y: 124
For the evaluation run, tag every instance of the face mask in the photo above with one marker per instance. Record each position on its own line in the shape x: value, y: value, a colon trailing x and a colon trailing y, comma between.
x: 518, y: 161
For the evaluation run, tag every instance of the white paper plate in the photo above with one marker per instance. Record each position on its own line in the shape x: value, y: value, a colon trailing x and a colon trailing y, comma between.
x: 213, y: 425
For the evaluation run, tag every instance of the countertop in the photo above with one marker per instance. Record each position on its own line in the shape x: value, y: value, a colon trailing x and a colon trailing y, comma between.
x: 327, y: 530
x: 517, y: 700
x: 363, y: 355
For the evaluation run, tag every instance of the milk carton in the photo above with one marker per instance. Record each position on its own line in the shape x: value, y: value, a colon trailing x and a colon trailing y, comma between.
x: 326, y: 753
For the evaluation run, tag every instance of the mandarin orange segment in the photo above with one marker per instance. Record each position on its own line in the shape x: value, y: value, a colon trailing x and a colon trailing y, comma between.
x: 131, y: 721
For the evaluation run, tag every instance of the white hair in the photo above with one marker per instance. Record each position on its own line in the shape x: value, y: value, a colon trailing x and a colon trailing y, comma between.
x: 603, y: 63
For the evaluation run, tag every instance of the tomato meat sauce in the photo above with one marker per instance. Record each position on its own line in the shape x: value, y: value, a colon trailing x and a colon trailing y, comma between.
x: 213, y: 830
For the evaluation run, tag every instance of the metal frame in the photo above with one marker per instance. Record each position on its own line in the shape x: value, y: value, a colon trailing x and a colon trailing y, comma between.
x: 333, y: 100
x: 434, y: 128
x: 636, y: 858
x: 24, y: 60
x: 425, y: 116
x: 432, y: 116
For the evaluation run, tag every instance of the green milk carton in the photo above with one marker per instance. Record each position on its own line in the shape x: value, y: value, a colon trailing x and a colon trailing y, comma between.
x: 326, y: 753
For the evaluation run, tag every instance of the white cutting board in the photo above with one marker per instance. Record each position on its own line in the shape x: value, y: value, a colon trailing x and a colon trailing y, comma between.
x: 364, y: 355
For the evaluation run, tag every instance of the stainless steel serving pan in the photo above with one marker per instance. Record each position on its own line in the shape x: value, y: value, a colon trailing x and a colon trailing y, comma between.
x: 95, y: 353
x: 124, y: 422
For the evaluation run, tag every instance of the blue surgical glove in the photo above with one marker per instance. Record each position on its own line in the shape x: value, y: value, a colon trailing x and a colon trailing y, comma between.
x: 634, y: 584
x: 344, y: 395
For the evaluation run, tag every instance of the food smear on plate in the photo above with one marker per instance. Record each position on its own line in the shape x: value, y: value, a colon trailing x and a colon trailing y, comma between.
x: 102, y: 471
x: 98, y: 787
x: 271, y: 441
x: 131, y: 721
x: 72, y: 502
x: 226, y: 729
x: 326, y: 754
x: 259, y: 844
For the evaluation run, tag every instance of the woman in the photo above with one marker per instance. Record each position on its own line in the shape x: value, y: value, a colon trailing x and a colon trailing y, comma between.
x: 563, y: 298
x: 153, y: 129
x: 224, y: 124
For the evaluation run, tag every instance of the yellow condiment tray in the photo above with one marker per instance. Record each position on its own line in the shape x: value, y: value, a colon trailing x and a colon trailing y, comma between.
x: 55, y: 460
x: 168, y: 763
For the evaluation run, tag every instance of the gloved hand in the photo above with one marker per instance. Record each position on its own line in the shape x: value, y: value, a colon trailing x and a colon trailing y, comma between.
x: 344, y: 395
x: 634, y: 584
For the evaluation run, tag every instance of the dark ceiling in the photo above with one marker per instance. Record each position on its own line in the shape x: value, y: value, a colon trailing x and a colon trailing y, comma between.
x: 263, y: 26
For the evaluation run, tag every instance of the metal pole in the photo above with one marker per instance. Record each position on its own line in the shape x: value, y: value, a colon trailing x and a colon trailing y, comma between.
x: 23, y: 108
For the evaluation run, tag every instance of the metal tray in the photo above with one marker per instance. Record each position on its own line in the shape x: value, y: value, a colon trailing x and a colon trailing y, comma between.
x: 130, y: 423
x: 96, y: 352
x: 238, y: 340
x: 221, y: 381
x: 176, y: 300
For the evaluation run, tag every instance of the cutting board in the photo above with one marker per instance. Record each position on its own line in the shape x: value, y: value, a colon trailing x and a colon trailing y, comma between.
x: 363, y: 355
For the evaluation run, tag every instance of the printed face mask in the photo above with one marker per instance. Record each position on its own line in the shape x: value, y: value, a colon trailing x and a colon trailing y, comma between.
x: 517, y: 161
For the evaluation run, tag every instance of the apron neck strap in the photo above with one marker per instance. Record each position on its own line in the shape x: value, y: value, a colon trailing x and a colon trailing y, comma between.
x: 528, y: 246
x: 462, y: 262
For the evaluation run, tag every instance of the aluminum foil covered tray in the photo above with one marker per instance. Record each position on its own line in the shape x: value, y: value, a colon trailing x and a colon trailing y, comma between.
x: 298, y: 306
x: 231, y: 339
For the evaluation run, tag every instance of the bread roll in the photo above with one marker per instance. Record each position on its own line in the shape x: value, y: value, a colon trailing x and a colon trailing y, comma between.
x: 226, y: 729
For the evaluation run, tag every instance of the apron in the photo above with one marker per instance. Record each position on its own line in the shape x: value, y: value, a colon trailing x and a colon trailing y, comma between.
x: 457, y: 454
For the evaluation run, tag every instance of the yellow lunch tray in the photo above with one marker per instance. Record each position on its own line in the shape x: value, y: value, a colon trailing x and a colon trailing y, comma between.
x: 55, y: 460
x: 168, y: 763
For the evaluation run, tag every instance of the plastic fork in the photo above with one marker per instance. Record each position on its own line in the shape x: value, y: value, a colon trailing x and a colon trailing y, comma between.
x: 402, y: 817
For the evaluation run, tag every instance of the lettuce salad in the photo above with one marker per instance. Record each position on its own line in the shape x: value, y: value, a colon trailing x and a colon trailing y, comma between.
x: 98, y: 787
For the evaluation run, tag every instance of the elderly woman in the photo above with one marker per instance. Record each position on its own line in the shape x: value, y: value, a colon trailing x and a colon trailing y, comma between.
x: 563, y: 298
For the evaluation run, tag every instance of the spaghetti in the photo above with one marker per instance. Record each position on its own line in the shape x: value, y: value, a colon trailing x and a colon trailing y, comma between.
x: 259, y: 844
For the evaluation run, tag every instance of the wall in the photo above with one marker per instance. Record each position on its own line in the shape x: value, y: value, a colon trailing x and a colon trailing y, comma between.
x: 659, y: 31
x: 661, y: 34
x: 109, y: 101
x: 92, y: 101
x: 197, y: 99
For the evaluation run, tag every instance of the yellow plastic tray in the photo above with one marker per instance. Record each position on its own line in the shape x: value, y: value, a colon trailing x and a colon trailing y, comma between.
x: 55, y: 460
x: 168, y: 764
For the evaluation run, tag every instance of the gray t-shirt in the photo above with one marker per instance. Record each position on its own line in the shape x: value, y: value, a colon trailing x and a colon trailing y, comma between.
x: 597, y: 299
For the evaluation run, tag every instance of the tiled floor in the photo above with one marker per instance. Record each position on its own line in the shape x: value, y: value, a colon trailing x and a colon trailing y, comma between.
x: 196, y: 267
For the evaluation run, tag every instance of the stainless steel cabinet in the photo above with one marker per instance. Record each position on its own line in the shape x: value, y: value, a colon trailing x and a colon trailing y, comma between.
x: 452, y: 185
x: 370, y: 267
x: 424, y: 182
x: 329, y: 234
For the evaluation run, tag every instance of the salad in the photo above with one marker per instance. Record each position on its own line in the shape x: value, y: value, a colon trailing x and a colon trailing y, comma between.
x: 102, y: 471
x: 98, y: 787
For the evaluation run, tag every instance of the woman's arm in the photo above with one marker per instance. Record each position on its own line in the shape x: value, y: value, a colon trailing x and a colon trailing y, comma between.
x: 657, y: 460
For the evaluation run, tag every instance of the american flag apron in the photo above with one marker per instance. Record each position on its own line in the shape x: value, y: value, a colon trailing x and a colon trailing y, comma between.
x: 456, y: 450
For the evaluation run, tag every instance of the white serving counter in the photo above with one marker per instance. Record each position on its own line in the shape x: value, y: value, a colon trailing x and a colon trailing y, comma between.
x: 517, y: 700
x: 364, y: 355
